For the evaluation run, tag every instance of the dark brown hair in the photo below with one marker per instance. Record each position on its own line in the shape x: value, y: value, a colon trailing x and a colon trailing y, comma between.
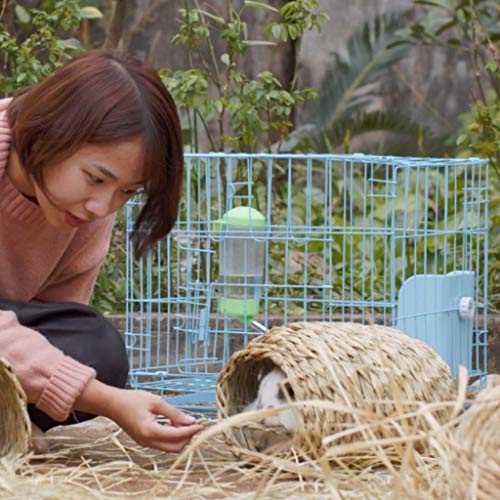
x: 102, y: 97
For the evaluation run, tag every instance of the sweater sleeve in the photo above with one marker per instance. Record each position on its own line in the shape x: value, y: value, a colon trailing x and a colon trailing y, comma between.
x: 51, y: 380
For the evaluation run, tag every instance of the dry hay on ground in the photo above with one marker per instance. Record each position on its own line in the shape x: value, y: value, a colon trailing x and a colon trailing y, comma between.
x: 96, y: 460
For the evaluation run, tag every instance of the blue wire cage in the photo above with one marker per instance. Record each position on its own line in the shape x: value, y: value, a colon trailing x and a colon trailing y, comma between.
x: 391, y: 240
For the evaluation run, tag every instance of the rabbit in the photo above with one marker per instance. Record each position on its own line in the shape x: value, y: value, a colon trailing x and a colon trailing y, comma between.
x: 270, y: 395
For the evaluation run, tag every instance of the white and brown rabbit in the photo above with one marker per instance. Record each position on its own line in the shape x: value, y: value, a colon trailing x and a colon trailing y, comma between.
x: 271, y: 395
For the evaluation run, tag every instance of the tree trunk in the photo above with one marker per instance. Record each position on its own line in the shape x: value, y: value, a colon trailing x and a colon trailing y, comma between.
x: 117, y: 25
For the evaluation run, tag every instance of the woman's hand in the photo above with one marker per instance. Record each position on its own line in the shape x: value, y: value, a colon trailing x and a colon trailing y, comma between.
x: 135, y: 412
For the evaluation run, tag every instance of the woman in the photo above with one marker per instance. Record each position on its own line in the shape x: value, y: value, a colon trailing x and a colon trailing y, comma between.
x: 73, y: 150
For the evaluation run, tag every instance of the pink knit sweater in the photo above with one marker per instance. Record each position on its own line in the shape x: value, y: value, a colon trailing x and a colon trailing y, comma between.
x: 43, y: 264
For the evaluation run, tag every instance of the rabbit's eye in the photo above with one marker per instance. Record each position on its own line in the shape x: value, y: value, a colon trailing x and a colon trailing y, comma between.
x: 287, y: 390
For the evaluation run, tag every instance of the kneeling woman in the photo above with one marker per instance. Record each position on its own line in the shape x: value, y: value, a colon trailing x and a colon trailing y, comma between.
x: 73, y: 150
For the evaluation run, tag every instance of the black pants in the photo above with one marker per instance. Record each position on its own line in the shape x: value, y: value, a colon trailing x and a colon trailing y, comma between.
x: 80, y: 332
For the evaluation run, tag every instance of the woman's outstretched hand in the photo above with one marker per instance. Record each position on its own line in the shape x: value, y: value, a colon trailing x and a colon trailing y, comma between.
x: 136, y: 413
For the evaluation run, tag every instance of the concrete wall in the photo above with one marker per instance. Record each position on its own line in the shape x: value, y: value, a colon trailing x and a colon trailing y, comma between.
x: 429, y: 85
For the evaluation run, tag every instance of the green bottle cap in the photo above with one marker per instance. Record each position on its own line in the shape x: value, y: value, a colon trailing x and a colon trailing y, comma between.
x: 241, y: 216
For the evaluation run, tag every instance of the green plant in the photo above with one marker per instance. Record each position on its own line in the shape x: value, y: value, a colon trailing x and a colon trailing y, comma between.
x: 351, y: 89
x: 244, y: 111
x: 471, y: 27
x: 480, y: 132
x: 35, y: 50
x: 480, y: 136
x: 109, y: 292
x: 39, y: 41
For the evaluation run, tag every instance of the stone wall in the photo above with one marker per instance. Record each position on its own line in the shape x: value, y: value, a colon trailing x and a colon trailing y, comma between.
x: 430, y: 85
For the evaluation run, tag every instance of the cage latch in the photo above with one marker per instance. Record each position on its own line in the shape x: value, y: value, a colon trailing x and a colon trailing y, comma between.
x: 467, y: 308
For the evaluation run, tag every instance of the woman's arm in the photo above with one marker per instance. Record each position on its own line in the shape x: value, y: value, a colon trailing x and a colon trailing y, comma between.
x: 50, y: 379
x: 134, y: 411
x: 57, y: 384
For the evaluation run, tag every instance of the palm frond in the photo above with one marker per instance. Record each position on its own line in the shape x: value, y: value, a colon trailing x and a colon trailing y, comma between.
x: 403, y: 138
x: 362, y: 122
x: 352, y: 81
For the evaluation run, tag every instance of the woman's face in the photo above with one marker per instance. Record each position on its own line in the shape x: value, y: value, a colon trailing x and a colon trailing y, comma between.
x: 93, y: 183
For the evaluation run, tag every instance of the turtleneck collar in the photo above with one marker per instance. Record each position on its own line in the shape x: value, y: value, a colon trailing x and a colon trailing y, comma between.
x: 11, y: 200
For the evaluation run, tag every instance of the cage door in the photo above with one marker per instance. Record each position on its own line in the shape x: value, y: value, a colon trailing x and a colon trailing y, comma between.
x: 439, y: 310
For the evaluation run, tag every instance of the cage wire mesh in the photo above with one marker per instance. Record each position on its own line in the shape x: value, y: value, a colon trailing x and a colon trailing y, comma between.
x: 267, y: 239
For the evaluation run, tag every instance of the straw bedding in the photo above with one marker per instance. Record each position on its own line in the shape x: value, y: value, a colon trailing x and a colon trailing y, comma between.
x: 98, y: 460
x: 475, y: 449
x: 14, y: 420
x: 362, y: 374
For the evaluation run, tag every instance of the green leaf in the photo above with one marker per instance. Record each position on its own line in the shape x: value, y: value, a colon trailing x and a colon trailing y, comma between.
x: 453, y: 42
x: 225, y: 59
x: 22, y: 14
x: 418, y: 28
x: 446, y: 27
x: 258, y: 42
x: 186, y: 136
x: 276, y: 30
x: 398, y: 42
x: 217, y: 19
x: 70, y: 43
x: 90, y: 13
x: 218, y: 106
x: 260, y: 5
x: 491, y: 66
x: 431, y: 4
